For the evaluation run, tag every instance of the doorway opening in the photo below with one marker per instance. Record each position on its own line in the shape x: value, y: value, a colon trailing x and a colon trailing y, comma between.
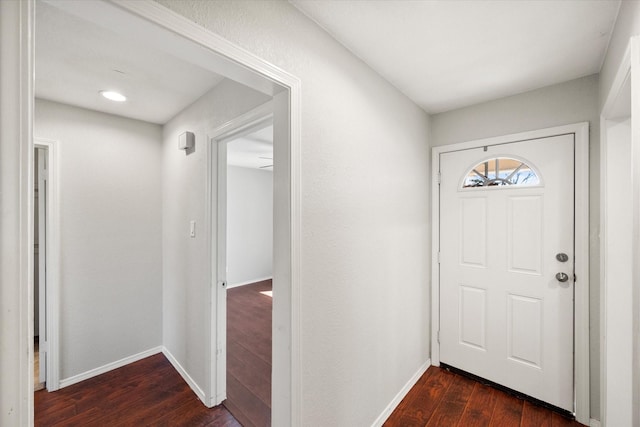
x: 243, y: 151
x: 140, y: 21
x: 249, y: 274
x: 45, y: 325
x: 40, y: 159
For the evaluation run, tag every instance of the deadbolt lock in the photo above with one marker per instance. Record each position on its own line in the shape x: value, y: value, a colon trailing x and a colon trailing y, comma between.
x: 562, y: 257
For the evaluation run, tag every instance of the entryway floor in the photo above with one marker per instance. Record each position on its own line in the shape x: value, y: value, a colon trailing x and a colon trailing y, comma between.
x: 444, y: 399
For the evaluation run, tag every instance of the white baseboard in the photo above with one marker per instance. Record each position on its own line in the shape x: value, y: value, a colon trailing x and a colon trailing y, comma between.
x: 194, y: 386
x: 109, y: 367
x: 594, y: 423
x: 248, y: 282
x: 401, y: 394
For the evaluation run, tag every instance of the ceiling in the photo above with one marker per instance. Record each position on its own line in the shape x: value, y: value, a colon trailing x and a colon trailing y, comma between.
x: 75, y: 59
x: 442, y: 54
x: 450, y: 54
x: 252, y: 151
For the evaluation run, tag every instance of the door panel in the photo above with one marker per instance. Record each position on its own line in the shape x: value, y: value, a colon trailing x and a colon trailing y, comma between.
x: 473, y: 310
x: 504, y: 316
x: 524, y: 244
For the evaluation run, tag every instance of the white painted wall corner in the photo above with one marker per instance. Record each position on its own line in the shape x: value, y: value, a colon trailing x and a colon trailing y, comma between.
x: 109, y: 367
x: 401, y: 394
x: 183, y: 373
x: 248, y: 282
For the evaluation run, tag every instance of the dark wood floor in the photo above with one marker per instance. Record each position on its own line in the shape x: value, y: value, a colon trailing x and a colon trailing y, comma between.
x: 249, y: 354
x: 151, y: 392
x: 144, y: 393
x: 443, y: 399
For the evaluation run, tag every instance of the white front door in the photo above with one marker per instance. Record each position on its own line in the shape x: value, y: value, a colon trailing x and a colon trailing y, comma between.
x: 507, y: 265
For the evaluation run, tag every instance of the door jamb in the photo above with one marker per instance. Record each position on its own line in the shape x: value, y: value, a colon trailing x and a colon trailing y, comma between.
x: 217, y: 181
x: 581, y: 212
x: 52, y: 263
x: 627, y: 73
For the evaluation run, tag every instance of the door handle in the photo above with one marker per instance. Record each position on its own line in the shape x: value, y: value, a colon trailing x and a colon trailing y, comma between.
x: 562, y: 277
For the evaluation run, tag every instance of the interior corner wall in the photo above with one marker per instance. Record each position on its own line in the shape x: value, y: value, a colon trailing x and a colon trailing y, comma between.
x: 110, y: 234
x: 186, y: 300
x: 364, y: 214
x: 249, y: 225
x: 565, y: 103
x: 627, y: 26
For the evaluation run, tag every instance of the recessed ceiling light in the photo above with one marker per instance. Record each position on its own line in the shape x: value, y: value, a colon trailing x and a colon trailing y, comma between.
x: 113, y: 96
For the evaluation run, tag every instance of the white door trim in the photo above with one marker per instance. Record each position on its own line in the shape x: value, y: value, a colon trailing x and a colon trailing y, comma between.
x: 581, y: 209
x: 16, y: 218
x: 620, y: 88
x: 217, y: 182
x: 53, y: 263
x: 635, y: 232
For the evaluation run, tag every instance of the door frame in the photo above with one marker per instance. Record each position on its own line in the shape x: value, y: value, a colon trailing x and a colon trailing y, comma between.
x: 581, y: 215
x: 217, y: 182
x: 52, y: 263
x: 620, y: 102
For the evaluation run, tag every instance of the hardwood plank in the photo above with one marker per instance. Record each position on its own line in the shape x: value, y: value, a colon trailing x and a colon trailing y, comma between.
x: 535, y: 416
x: 453, y: 403
x: 190, y: 415
x: 480, y: 407
x: 245, y: 406
x: 507, y: 412
x: 88, y: 418
x: 250, y: 370
x: 56, y: 414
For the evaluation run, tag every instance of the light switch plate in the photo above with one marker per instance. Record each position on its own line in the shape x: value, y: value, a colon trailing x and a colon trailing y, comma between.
x: 192, y: 229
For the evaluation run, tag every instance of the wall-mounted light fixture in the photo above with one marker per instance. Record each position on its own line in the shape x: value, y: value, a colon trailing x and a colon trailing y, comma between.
x: 187, y: 141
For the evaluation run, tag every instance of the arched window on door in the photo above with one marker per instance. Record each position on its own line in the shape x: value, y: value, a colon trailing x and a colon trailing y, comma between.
x: 501, y: 171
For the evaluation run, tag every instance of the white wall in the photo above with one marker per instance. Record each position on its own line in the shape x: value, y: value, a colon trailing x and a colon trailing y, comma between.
x: 249, y: 225
x: 110, y: 234
x: 565, y: 103
x: 618, y: 297
x: 364, y: 213
x: 184, y: 185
